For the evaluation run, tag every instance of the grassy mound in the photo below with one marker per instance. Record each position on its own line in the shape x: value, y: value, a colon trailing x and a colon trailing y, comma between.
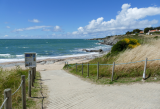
x: 122, y: 53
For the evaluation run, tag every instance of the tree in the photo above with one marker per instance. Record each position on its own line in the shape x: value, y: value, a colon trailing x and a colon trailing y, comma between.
x: 136, y: 30
x: 147, y: 29
x: 127, y: 33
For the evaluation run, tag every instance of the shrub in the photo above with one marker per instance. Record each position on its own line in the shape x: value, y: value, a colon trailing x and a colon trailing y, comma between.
x: 124, y: 44
x: 156, y: 37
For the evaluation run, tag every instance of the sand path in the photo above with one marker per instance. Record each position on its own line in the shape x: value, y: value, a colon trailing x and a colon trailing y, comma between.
x: 67, y: 91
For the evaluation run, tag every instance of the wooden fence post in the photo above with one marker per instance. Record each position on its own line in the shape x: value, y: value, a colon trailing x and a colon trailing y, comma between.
x: 145, y: 66
x: 23, y: 92
x: 8, y: 103
x: 98, y: 70
x: 88, y: 70
x: 113, y: 71
x: 29, y: 83
x: 76, y: 67
x: 82, y: 68
x: 33, y: 74
x: 32, y: 78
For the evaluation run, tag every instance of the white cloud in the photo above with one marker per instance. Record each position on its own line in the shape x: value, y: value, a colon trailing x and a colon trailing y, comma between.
x: 34, y: 20
x: 44, y: 29
x: 5, y: 36
x: 8, y: 27
x: 57, y: 29
x: 30, y: 28
x: 127, y: 18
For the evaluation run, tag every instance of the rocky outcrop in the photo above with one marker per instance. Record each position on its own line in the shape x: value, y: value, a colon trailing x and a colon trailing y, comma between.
x: 110, y: 40
x: 100, y: 50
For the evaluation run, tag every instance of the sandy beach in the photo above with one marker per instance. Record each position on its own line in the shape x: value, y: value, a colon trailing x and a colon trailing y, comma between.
x: 52, y: 64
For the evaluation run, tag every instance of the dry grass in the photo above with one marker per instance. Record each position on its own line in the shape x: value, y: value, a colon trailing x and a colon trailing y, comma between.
x: 150, y: 51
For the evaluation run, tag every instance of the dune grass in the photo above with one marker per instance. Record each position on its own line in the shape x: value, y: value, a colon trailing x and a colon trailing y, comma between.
x: 12, y: 79
x: 127, y: 73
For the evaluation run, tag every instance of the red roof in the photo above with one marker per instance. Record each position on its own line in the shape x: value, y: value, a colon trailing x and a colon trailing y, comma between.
x: 153, y: 30
x: 141, y: 32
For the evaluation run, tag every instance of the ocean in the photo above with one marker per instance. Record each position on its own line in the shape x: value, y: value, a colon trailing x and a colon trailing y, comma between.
x: 14, y: 49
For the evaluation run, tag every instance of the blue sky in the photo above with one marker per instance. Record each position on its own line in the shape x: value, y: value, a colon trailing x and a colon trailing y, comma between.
x: 82, y: 19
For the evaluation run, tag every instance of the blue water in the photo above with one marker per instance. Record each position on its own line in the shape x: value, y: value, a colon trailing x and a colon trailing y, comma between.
x: 13, y: 49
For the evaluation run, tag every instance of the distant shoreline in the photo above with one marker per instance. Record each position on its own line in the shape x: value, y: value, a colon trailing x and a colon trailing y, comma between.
x: 54, y: 60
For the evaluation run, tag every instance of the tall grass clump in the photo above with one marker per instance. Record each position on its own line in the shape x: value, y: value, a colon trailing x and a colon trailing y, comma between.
x: 12, y: 79
x: 150, y: 51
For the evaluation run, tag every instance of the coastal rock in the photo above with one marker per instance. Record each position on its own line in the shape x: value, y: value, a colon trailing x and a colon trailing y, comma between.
x: 110, y: 41
x: 43, y: 62
x: 100, y: 50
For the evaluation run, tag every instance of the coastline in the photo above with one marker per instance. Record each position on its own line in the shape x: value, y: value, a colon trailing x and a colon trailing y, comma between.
x: 54, y: 63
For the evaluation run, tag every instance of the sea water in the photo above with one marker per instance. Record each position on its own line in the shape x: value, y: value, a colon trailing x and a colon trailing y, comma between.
x: 14, y: 49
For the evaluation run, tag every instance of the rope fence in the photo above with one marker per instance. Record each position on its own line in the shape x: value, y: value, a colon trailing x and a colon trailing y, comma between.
x: 18, y: 88
x: 3, y: 103
x: 144, y: 73
x: 7, y: 103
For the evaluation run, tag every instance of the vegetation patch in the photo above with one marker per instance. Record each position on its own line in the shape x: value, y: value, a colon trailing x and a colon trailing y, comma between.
x: 12, y: 79
x: 125, y: 51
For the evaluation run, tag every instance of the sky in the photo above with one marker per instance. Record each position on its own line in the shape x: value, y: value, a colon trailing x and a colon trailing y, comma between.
x: 75, y: 19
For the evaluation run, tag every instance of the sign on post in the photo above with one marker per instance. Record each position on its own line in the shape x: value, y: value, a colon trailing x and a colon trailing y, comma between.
x: 30, y: 60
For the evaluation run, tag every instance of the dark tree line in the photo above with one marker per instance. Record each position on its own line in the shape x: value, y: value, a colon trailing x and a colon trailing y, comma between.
x: 145, y: 30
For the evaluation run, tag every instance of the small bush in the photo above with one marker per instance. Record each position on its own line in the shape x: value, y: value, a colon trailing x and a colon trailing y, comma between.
x: 124, y: 44
x: 156, y: 37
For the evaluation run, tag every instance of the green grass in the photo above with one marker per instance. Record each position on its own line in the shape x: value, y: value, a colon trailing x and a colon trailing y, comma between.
x: 125, y: 75
x: 120, y: 77
x: 141, y: 39
x: 12, y: 79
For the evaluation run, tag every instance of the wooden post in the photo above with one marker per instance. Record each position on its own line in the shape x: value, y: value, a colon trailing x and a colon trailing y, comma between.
x: 32, y: 78
x: 98, y: 70
x: 113, y: 71
x: 76, y: 67
x: 29, y: 83
x: 88, y: 70
x: 8, y: 103
x: 33, y: 74
x: 67, y: 65
x: 82, y: 68
x: 145, y: 66
x: 23, y: 92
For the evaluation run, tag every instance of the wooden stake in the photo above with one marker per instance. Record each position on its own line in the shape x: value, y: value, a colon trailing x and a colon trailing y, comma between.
x: 8, y: 103
x: 23, y: 92
x: 29, y: 83
x: 113, y: 71
x: 98, y: 70
x: 88, y: 70
x: 145, y: 66
x: 82, y: 68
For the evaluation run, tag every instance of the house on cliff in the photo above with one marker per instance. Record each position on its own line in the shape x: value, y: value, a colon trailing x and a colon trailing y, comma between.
x: 152, y: 31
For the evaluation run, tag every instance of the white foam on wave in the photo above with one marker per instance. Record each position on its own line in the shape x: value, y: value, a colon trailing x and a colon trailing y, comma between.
x: 4, y: 54
x: 66, y: 56
x: 19, y: 55
x: 23, y: 47
x: 10, y: 60
x: 53, y: 57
